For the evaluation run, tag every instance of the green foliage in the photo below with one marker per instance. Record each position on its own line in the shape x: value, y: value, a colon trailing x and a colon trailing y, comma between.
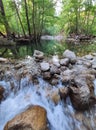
x: 78, y: 16
x: 43, y: 15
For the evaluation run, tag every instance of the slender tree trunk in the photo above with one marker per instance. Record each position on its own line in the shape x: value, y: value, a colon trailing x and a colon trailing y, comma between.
x: 42, y: 20
x: 4, y: 18
x: 33, y: 18
x: 93, y: 20
x: 76, y: 14
x: 19, y: 19
x: 27, y: 18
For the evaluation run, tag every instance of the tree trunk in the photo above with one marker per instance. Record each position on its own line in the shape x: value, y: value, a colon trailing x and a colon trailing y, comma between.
x: 33, y: 18
x: 27, y: 18
x: 19, y: 19
x: 4, y: 18
x: 42, y: 20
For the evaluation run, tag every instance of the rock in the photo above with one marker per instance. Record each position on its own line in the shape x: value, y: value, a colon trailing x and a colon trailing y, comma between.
x: 54, y: 70
x: 70, y: 55
x: 38, y: 55
x: 34, y: 118
x: 2, y: 90
x: 94, y: 63
x: 18, y: 66
x: 64, y: 61
x: 63, y: 68
x: 65, y: 79
x: 81, y: 93
x: 94, y: 66
x: 44, y: 66
x: 64, y: 91
x: 46, y: 75
x: 3, y: 59
x: 87, y: 64
x: 85, y: 120
x: 55, y: 97
x: 67, y: 76
x: 55, y: 60
x: 79, y: 62
x: 54, y: 81
x: 89, y: 57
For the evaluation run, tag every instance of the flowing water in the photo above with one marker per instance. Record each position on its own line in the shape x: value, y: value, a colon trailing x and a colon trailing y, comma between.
x: 59, y: 116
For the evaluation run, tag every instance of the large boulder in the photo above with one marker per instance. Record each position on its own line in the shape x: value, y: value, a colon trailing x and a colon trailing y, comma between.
x: 70, y: 55
x: 33, y: 118
x: 81, y: 93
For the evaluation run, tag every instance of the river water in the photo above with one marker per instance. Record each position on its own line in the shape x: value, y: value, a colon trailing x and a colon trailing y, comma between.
x: 59, y: 116
x: 49, y: 47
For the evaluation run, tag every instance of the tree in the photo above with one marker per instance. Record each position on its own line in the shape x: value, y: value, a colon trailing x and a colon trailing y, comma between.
x: 78, y: 16
x: 27, y: 18
x: 5, y: 22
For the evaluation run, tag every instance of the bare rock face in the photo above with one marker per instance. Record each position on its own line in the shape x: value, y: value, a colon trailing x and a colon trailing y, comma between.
x: 33, y: 118
x: 71, y: 55
x: 1, y: 92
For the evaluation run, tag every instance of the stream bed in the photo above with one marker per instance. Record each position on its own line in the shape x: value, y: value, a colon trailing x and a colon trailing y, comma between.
x: 60, y: 116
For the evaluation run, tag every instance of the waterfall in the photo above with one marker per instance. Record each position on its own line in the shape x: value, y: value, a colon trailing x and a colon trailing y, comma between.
x: 59, y: 116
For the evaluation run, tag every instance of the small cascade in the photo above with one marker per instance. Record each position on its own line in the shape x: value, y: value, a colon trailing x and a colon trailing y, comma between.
x: 60, y: 116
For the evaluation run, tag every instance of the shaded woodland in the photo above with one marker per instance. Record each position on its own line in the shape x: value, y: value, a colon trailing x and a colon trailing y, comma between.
x: 30, y: 19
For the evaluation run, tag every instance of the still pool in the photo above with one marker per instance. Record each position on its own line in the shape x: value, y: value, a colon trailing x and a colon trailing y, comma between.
x: 49, y: 47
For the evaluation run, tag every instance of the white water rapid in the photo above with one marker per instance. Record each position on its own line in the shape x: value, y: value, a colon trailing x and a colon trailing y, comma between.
x: 59, y: 116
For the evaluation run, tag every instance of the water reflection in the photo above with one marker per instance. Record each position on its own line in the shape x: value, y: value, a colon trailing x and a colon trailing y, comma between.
x: 50, y: 47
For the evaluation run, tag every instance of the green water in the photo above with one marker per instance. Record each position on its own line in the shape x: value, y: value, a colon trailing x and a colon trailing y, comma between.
x: 49, y: 48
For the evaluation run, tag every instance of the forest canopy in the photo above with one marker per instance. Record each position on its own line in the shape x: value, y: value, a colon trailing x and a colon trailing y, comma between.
x: 34, y: 18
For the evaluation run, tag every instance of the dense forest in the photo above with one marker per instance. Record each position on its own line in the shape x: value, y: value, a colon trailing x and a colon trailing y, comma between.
x: 33, y: 18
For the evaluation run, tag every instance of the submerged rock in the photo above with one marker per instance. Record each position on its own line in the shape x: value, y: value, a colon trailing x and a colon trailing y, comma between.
x: 34, y: 118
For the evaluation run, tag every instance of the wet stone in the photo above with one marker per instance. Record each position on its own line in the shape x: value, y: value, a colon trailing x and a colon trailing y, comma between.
x: 46, y: 75
x: 44, y: 66
x: 64, y: 61
x: 70, y: 55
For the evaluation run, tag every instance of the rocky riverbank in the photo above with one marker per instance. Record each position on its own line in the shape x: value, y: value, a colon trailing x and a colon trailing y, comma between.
x: 75, y: 74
